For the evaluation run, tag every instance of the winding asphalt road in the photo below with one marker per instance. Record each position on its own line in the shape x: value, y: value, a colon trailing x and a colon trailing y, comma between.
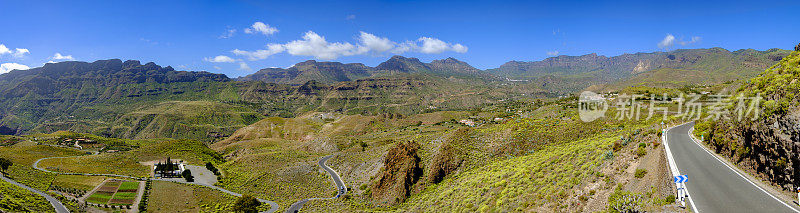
x: 713, y: 185
x: 59, y: 207
x: 342, y: 189
x: 273, y: 206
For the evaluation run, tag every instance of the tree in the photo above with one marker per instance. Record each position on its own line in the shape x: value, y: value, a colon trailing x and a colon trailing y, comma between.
x: 211, y: 168
x: 247, y: 204
x: 5, y: 164
x: 187, y: 174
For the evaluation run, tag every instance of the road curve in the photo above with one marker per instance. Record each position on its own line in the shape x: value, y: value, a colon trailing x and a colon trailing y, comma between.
x: 340, y: 187
x: 59, y: 207
x: 714, y: 186
x: 273, y: 206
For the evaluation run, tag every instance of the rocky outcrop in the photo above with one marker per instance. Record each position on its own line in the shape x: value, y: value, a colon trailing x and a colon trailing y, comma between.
x: 400, y: 172
x: 601, y: 69
x: 449, y: 157
x: 768, y: 148
x: 311, y: 70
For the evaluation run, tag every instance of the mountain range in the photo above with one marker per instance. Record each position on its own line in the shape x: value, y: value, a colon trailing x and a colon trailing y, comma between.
x: 332, y: 72
x: 133, y: 100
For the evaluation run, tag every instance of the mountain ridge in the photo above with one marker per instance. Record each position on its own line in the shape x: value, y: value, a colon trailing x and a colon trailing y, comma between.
x: 333, y: 72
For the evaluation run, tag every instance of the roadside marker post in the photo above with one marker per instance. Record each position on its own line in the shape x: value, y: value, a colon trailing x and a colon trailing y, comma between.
x: 680, y: 183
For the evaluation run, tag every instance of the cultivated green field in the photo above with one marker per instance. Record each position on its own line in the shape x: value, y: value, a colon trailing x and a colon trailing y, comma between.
x: 100, y: 197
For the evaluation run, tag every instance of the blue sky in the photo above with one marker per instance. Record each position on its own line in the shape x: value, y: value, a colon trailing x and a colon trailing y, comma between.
x: 194, y: 35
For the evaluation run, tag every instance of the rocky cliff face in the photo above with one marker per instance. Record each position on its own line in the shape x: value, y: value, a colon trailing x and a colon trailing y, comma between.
x: 401, y: 171
x: 449, y: 157
x: 108, y: 72
x: 601, y: 68
x: 325, y: 72
x: 769, y: 146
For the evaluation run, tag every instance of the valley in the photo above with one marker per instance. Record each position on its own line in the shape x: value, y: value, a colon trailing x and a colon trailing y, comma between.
x: 404, y: 136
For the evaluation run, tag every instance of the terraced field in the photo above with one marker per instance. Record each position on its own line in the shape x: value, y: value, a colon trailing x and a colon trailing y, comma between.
x: 115, y: 192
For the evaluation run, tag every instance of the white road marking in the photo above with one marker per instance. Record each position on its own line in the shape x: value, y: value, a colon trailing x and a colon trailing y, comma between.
x: 737, y: 172
x: 675, y: 172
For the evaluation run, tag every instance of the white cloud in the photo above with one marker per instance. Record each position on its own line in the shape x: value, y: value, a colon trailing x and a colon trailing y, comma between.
x: 218, y: 68
x: 695, y: 39
x: 260, y: 27
x: 374, y: 43
x: 459, y: 48
x: 405, y: 47
x: 4, y: 50
x: 667, y: 42
x: 436, y: 46
x: 552, y: 53
x: 243, y: 66
x: 21, y: 52
x: 350, y: 17
x: 229, y: 33
x: 272, y: 49
x: 7, y: 67
x: 670, y: 41
x: 220, y: 59
x: 58, y: 56
x: 316, y: 46
x: 17, y: 52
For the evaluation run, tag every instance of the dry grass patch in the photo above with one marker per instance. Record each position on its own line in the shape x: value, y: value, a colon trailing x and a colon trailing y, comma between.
x: 175, y: 197
x: 79, y: 182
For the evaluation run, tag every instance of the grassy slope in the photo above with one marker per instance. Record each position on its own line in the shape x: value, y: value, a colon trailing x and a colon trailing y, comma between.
x: 17, y: 199
x: 174, y: 197
x: 79, y: 182
x: 23, y: 155
x: 519, y: 183
x: 128, y: 163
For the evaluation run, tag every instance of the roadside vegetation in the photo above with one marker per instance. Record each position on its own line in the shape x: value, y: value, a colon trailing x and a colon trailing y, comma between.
x: 18, y: 199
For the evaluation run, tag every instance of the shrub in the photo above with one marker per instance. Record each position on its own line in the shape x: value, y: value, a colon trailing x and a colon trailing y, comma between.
x: 5, y: 164
x: 623, y: 201
x: 640, y: 173
x: 641, y: 151
x: 642, y: 144
x: 781, y: 163
x: 608, y: 155
x: 670, y: 198
x: 246, y: 203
